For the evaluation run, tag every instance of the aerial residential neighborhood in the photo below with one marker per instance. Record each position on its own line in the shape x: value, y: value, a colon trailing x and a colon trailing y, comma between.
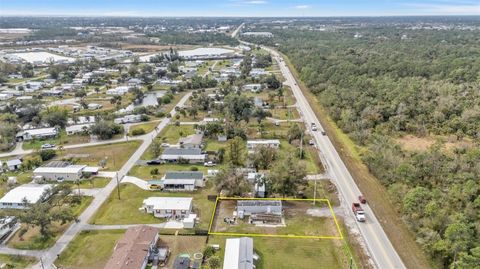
x: 270, y: 135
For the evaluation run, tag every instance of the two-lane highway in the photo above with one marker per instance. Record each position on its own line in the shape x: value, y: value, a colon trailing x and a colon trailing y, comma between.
x: 380, y: 248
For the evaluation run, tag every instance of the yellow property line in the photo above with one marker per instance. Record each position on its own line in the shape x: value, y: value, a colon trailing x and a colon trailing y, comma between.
x: 275, y: 235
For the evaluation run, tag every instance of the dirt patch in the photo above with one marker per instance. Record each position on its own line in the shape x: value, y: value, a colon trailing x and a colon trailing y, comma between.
x: 414, y: 143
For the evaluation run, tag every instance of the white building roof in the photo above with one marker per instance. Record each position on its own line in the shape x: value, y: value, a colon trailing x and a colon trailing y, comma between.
x: 238, y: 253
x: 264, y: 142
x: 71, y: 169
x: 42, y: 131
x: 178, y: 181
x: 31, y: 192
x: 170, y: 203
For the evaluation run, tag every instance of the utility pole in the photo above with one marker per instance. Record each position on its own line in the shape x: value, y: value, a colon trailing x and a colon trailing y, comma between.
x: 118, y: 185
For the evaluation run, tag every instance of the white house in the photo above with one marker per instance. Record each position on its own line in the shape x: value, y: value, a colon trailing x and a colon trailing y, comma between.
x: 238, y: 253
x: 93, y: 106
x: 14, y: 164
x: 40, y: 133
x: 272, y: 143
x: 67, y: 173
x: 16, y: 197
x: 249, y: 207
x: 79, y: 128
x: 120, y: 90
x: 258, y: 72
x: 5, y: 96
x: 128, y: 119
x: 180, y: 181
x: 168, y: 207
x: 193, y: 155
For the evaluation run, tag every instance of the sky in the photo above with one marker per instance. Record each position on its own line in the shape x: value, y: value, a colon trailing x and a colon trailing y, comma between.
x: 239, y: 8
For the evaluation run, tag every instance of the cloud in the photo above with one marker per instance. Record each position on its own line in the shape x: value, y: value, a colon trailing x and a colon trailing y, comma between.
x: 302, y: 6
x: 255, y: 2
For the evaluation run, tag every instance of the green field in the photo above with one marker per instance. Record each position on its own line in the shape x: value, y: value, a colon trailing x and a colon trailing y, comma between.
x: 16, y: 261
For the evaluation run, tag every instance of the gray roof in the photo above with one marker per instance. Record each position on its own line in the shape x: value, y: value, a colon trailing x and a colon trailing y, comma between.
x: 259, y: 203
x: 181, y: 151
x: 184, y: 175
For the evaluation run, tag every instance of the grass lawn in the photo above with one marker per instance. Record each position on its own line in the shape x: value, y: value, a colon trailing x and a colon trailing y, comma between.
x: 286, y: 253
x: 311, y: 161
x: 116, y: 153
x: 126, y: 210
x: 214, y: 145
x: 91, y: 183
x: 62, y: 139
x: 16, y: 261
x: 284, y: 113
x: 170, y: 134
x: 147, y: 126
x: 182, y: 245
x: 32, y: 238
x: 143, y: 172
x: 89, y: 249
x: 22, y: 178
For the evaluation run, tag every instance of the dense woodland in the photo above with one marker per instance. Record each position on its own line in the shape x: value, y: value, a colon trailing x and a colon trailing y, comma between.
x: 380, y: 83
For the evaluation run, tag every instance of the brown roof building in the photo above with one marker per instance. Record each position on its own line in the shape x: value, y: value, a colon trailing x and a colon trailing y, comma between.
x: 133, y: 250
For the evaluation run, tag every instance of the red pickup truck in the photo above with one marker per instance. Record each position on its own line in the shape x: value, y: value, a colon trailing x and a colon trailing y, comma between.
x: 358, y: 211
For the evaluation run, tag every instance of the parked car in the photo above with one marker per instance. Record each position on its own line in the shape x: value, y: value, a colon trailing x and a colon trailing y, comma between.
x: 314, y: 126
x: 153, y: 162
x: 323, y: 133
x: 48, y: 146
x: 311, y: 142
x: 164, y: 145
x: 362, y: 199
x: 209, y: 164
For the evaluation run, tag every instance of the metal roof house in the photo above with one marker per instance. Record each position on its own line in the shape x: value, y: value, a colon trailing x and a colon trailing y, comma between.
x: 272, y: 143
x: 178, y: 154
x: 179, y: 181
x: 134, y: 249
x: 68, y: 173
x: 238, y: 253
x: 249, y: 207
x: 16, y: 197
x: 168, y: 207
x: 40, y: 133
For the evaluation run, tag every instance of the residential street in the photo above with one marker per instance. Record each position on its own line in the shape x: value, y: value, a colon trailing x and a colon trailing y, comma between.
x: 50, y: 255
x: 379, y: 246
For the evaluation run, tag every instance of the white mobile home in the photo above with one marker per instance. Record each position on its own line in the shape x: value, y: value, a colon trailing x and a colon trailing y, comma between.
x: 168, y: 207
x: 29, y: 193
x: 272, y: 143
x: 41, y: 133
x: 67, y: 173
x: 238, y: 253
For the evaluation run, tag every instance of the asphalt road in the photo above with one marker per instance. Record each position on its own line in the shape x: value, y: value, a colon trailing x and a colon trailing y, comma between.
x: 379, y: 246
x: 49, y: 256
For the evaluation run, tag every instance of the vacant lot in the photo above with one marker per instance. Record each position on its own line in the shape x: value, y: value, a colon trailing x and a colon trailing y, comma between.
x: 301, y: 218
x: 116, y: 154
x: 126, y: 210
x: 147, y: 126
x: 89, y: 250
x: 62, y: 139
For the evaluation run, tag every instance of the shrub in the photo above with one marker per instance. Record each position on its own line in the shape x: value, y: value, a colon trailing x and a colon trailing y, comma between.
x: 138, y: 131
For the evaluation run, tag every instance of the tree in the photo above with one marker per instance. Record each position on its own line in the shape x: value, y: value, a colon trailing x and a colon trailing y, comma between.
x: 294, y: 132
x: 287, y: 176
x: 47, y: 154
x: 260, y: 114
x: 232, y: 182
x: 214, y: 262
x: 156, y: 148
x: 55, y: 116
x: 238, y: 107
x: 272, y: 82
x: 106, y: 129
x: 263, y: 157
x: 235, y: 151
